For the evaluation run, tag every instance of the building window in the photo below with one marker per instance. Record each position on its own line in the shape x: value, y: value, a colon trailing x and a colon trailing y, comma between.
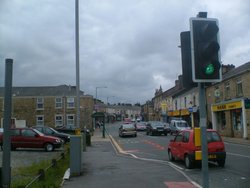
x: 40, y: 120
x: 70, y: 102
x: 185, y: 102
x: 217, y: 94
x: 70, y: 120
x: 194, y: 100
x: 227, y: 90
x: 40, y: 103
x: 175, y: 103
x: 58, y: 102
x: 239, y: 88
x: 58, y: 120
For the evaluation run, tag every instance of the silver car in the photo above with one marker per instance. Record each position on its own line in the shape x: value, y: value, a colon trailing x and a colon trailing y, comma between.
x: 127, y: 130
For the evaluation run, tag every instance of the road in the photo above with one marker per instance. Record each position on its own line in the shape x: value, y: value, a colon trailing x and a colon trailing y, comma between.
x: 236, y: 172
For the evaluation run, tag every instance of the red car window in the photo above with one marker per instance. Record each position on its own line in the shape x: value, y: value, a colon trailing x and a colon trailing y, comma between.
x: 178, y: 138
x: 186, y: 137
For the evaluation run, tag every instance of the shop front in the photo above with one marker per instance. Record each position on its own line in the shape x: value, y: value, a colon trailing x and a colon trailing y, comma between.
x: 181, y: 114
x: 229, y: 118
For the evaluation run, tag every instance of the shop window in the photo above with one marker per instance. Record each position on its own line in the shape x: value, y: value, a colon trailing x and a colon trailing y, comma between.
x: 237, y: 120
x: 239, y: 88
x: 221, y: 120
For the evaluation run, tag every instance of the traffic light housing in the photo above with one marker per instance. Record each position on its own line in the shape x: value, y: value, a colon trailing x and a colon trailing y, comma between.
x: 205, y: 50
x: 186, y: 60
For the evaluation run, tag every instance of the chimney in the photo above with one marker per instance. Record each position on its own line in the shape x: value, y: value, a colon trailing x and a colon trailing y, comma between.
x: 227, y: 68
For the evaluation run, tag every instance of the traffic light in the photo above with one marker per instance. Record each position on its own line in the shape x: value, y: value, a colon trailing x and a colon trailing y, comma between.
x: 186, y: 60
x: 205, y: 50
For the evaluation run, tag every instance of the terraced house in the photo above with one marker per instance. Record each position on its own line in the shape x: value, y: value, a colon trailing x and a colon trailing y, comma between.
x: 227, y: 103
x: 52, y: 106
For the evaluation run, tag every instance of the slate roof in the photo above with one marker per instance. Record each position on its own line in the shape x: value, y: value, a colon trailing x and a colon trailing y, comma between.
x: 237, y: 71
x: 61, y: 90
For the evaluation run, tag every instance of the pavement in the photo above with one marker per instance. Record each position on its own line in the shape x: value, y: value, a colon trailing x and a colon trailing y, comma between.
x: 104, y: 164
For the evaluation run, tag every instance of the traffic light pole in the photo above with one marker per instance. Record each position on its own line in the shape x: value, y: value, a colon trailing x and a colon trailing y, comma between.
x: 203, y: 127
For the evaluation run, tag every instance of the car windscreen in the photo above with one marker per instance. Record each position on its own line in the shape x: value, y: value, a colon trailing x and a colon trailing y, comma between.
x: 182, y: 124
x: 54, y: 130
x: 213, y: 137
x: 128, y: 126
x: 157, y: 124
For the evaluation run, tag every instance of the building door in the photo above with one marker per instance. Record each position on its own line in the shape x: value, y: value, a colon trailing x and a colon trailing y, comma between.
x: 237, y: 123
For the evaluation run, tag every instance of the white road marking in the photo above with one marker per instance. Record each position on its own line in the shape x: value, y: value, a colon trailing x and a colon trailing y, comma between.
x: 239, y: 155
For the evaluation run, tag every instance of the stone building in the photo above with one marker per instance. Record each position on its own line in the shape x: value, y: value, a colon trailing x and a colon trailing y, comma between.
x: 228, y: 104
x: 53, y: 106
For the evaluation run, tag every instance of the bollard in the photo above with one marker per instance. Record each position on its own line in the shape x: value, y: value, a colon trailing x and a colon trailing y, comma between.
x: 53, y: 162
x: 84, y: 141
x: 41, y: 174
x: 88, y: 138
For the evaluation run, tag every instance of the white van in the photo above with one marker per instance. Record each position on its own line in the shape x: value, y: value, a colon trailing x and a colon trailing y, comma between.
x: 178, y: 125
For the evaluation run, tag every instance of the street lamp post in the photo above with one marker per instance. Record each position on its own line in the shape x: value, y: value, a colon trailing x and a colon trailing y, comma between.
x: 77, y: 64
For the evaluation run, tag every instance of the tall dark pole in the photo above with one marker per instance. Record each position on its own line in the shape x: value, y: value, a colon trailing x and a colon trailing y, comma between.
x: 77, y: 64
x: 6, y: 171
x: 203, y: 127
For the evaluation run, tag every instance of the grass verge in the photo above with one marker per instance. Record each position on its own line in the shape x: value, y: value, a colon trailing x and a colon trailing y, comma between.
x: 52, y: 178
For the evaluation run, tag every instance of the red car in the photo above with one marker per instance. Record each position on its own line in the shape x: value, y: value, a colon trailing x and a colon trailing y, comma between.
x: 31, y: 138
x: 183, y: 148
x: 141, y: 126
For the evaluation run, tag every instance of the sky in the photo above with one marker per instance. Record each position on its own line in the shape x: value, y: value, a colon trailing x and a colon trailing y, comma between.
x: 128, y: 48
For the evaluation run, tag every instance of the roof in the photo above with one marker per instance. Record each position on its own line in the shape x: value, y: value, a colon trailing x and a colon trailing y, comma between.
x: 61, y: 90
x: 237, y: 71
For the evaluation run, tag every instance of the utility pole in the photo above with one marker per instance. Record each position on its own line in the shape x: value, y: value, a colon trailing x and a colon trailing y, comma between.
x: 6, y: 170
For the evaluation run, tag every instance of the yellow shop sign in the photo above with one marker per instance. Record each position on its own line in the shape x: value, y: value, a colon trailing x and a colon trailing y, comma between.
x: 227, y: 106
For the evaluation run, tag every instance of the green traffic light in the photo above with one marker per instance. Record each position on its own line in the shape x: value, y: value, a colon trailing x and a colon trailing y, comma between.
x: 209, y: 69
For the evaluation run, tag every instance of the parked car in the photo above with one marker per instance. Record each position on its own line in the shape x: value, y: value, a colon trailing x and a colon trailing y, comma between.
x: 178, y: 125
x: 52, y: 132
x: 127, y: 130
x: 31, y: 138
x: 183, y: 148
x: 167, y: 127
x: 141, y: 126
x: 156, y: 128
x: 127, y: 121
